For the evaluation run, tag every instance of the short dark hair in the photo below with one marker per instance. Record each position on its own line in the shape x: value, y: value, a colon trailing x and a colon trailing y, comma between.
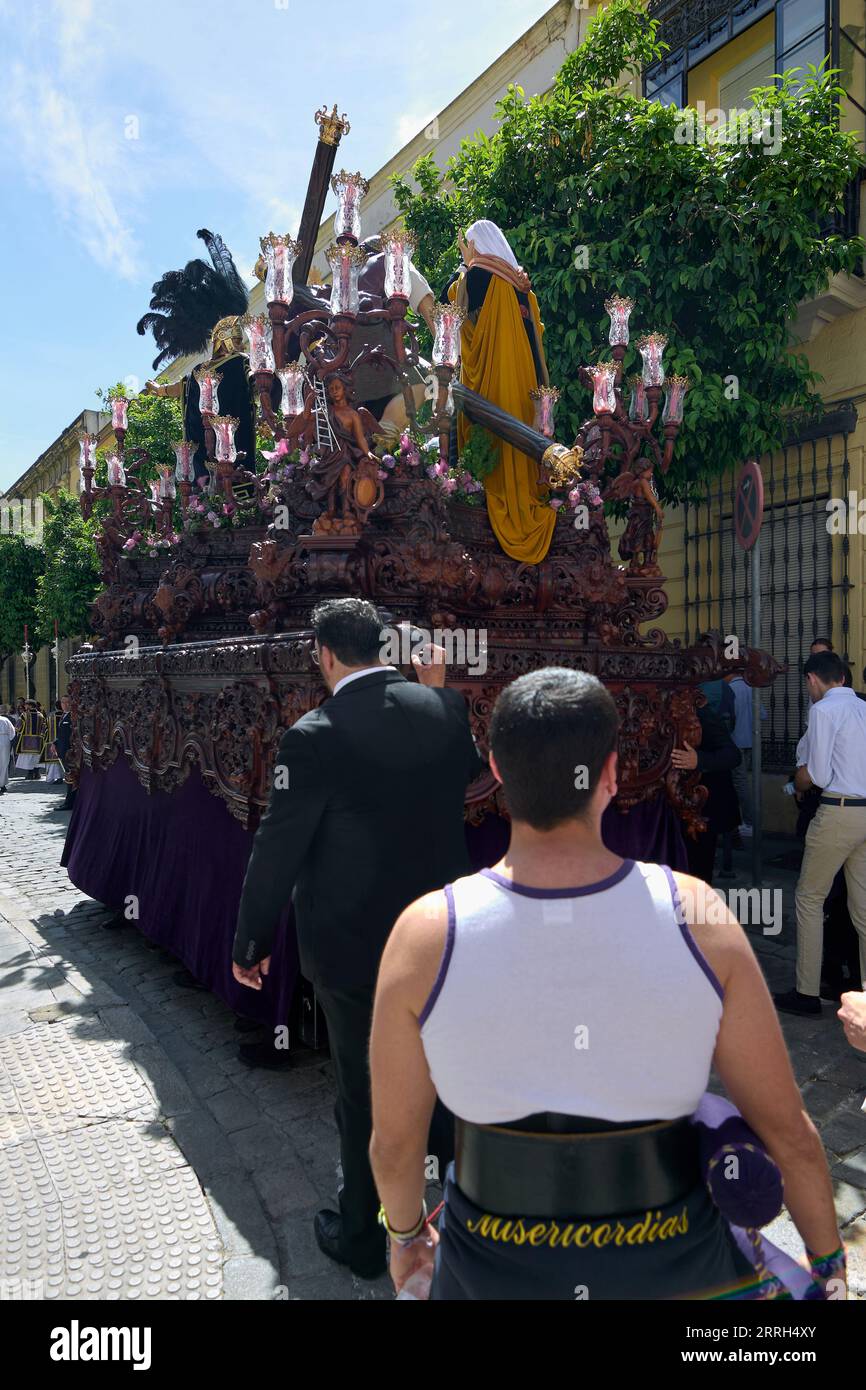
x: 544, y: 727
x: 822, y: 642
x: 351, y: 628
x: 827, y: 666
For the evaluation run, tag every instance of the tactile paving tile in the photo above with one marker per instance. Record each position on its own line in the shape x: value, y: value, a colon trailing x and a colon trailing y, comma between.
x: 92, y: 1205
x: 52, y: 1078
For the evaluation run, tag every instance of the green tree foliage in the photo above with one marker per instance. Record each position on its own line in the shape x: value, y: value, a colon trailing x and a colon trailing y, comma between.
x: 22, y: 562
x: 600, y: 191
x: 70, y: 580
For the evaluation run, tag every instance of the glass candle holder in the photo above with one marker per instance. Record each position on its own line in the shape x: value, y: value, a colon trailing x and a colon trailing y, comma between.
x: 208, y: 390
x: 675, y: 396
x: 260, y: 342
x: 350, y: 189
x: 116, y: 471
x: 166, y: 484
x: 544, y: 398
x: 638, y: 406
x: 292, y: 381
x: 279, y: 254
x: 603, y: 377
x: 86, y: 451
x: 224, y: 427
x: 345, y: 262
x: 120, y: 413
x: 446, y: 342
x: 184, y: 453
x: 619, y: 310
x: 398, y: 246
x: 651, y: 348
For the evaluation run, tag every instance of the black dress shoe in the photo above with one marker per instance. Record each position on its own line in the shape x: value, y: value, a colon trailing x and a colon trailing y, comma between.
x: 793, y: 1002
x: 328, y: 1227
x: 264, y: 1054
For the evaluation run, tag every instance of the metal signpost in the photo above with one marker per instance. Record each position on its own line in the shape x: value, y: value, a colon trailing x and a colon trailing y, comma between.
x: 748, y: 518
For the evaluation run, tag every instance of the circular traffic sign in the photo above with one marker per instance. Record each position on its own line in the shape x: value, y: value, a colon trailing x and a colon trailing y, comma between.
x: 749, y: 505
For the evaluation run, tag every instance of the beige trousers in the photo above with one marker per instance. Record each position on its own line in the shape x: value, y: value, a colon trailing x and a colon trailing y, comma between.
x: 835, y: 839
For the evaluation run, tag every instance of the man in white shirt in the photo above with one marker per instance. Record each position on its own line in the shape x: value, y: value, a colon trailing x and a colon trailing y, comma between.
x: 7, y: 738
x: 835, y: 749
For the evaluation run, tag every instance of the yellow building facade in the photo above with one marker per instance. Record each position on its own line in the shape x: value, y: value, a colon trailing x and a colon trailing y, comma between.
x: 811, y: 549
x: 55, y: 470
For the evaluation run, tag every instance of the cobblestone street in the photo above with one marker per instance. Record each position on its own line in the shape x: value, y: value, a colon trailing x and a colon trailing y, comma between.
x: 140, y: 1159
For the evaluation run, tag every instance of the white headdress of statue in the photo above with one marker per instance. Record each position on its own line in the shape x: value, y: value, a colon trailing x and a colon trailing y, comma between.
x: 490, y: 240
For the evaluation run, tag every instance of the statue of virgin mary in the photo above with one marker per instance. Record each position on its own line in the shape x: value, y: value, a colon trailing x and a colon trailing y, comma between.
x: 503, y: 359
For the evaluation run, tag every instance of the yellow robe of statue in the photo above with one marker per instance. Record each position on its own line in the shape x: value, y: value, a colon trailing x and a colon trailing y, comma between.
x: 497, y: 362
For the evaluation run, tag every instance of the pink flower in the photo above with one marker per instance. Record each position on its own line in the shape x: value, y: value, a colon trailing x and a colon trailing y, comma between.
x: 381, y: 474
x: 229, y: 508
x: 449, y: 485
x: 574, y: 497
x: 305, y: 457
x: 281, y: 449
x: 212, y: 516
x: 555, y: 503
x: 129, y: 545
x: 175, y: 537
x: 405, y: 444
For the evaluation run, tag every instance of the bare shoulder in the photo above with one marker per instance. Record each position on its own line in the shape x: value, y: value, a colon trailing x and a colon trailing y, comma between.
x: 714, y: 927
x: 414, y: 950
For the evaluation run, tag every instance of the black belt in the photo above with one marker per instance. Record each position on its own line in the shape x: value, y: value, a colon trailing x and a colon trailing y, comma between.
x: 561, y: 1169
x: 843, y: 800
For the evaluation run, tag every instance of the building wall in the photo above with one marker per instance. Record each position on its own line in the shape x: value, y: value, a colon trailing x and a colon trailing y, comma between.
x: 54, y: 470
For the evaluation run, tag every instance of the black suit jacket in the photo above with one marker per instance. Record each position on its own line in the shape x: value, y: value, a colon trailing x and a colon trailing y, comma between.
x: 718, y: 755
x: 366, y: 814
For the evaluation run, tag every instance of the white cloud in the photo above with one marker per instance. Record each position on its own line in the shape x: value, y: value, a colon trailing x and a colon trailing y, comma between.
x: 70, y: 156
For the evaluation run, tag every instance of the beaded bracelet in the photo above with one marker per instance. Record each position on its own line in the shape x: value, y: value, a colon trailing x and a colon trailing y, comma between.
x: 404, y: 1237
x: 827, y: 1267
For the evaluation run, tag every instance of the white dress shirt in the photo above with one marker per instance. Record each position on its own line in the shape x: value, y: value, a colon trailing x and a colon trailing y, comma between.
x: 801, y: 757
x: 356, y: 676
x: 836, y: 750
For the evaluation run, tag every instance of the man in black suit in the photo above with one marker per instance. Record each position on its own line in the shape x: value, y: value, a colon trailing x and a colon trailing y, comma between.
x: 365, y: 816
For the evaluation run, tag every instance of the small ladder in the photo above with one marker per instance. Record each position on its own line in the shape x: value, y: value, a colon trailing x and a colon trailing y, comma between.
x: 326, y: 440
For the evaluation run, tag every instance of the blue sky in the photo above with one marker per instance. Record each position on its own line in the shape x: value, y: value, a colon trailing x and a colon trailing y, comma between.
x: 222, y: 93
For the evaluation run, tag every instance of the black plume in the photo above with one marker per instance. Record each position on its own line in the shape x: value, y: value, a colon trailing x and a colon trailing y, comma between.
x: 187, y: 303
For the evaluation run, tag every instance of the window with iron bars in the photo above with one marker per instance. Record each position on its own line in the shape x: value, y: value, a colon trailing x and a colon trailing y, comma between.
x: 804, y: 569
x: 806, y: 31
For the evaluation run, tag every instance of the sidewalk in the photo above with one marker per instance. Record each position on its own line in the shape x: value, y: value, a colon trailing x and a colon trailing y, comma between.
x: 139, y: 1158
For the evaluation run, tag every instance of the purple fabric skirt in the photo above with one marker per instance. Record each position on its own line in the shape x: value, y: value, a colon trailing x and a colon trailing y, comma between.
x: 183, y: 857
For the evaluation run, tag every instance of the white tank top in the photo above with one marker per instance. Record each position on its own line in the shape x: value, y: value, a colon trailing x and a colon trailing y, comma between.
x: 589, y: 1001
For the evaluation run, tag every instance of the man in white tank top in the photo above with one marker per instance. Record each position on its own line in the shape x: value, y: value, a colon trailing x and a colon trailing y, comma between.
x: 567, y: 1006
